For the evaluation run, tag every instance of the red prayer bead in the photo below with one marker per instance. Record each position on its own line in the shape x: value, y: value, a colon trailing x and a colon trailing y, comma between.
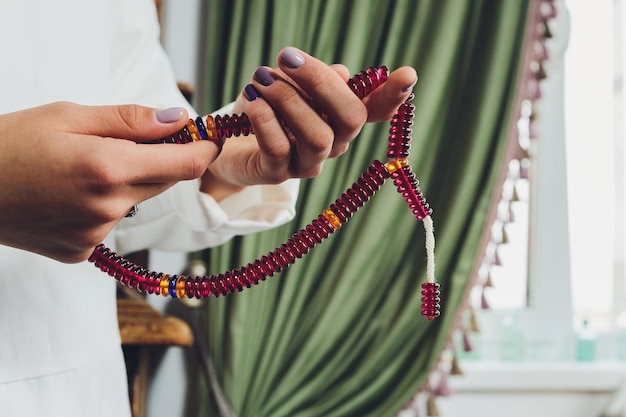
x: 430, y: 300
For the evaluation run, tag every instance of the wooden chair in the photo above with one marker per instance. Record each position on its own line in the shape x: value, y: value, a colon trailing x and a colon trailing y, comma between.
x: 144, y: 332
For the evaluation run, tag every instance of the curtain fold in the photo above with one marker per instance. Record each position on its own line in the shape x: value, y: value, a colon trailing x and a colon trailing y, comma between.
x: 340, y: 332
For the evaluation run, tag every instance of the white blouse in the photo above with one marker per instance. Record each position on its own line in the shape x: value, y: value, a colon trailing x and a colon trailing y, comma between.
x: 60, y: 350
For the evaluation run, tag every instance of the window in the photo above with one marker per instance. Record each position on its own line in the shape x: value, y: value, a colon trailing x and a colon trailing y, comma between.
x: 575, y: 211
x: 595, y: 155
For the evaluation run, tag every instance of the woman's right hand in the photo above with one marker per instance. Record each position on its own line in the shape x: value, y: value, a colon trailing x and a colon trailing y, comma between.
x: 70, y: 173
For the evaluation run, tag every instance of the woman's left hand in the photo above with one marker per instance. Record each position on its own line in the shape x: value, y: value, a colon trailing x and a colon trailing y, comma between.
x: 302, y: 113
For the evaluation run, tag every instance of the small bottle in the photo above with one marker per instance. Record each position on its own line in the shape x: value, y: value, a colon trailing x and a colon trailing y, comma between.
x: 512, y: 339
x: 586, y: 344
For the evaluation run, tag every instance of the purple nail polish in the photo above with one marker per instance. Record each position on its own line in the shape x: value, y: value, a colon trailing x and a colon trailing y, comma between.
x: 250, y: 92
x: 170, y: 115
x: 264, y: 76
x: 409, y: 87
x: 291, y: 57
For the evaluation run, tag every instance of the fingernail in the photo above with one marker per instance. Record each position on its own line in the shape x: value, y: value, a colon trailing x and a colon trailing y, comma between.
x: 291, y: 57
x: 264, y: 76
x: 170, y: 115
x: 409, y: 87
x: 250, y: 92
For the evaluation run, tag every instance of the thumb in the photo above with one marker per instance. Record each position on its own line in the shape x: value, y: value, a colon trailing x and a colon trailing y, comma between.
x: 129, y: 121
x: 385, y: 100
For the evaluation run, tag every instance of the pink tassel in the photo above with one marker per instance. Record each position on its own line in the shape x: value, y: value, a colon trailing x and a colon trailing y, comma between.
x: 467, y: 343
x: 496, y: 258
x: 483, y: 301
x: 541, y: 52
x: 534, y: 90
x: 548, y: 10
x: 443, y: 388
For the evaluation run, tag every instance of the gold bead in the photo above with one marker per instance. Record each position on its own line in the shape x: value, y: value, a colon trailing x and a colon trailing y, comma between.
x: 332, y: 218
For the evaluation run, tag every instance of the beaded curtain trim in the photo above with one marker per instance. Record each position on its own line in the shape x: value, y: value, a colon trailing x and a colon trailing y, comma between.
x: 221, y: 127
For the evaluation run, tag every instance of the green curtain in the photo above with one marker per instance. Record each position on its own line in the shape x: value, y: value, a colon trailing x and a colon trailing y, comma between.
x: 340, y: 332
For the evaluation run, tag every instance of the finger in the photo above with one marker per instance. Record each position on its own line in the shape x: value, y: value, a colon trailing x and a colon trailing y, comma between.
x: 106, y: 164
x: 383, y: 102
x: 133, y: 122
x: 165, y: 163
x: 328, y: 89
x: 312, y: 137
x: 273, y: 141
x: 142, y: 163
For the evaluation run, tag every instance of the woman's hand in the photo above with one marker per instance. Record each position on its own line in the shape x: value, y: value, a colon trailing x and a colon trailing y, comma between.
x: 302, y: 113
x: 68, y: 175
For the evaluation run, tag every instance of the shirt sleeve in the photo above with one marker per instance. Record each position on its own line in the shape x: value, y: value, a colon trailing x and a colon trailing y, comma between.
x: 182, y: 218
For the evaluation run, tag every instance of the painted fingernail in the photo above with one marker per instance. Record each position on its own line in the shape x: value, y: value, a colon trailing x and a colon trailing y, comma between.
x: 170, y: 115
x: 250, y: 92
x: 409, y: 87
x: 291, y: 57
x: 264, y: 76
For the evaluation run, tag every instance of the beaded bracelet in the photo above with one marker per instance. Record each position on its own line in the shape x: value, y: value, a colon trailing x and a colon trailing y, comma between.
x: 221, y: 127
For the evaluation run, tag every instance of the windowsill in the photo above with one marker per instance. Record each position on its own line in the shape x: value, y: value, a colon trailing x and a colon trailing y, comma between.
x: 598, y: 376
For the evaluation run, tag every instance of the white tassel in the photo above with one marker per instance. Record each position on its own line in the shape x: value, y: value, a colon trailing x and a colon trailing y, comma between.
x: 430, y: 248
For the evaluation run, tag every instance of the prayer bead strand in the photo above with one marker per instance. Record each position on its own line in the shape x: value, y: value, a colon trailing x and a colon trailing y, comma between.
x: 298, y: 245
x: 407, y: 185
x: 400, y: 131
x: 221, y: 127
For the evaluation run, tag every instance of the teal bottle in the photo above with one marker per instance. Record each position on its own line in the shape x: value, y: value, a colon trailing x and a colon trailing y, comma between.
x: 586, y: 344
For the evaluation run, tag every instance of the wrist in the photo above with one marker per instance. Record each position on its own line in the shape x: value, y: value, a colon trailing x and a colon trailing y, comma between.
x: 217, y: 187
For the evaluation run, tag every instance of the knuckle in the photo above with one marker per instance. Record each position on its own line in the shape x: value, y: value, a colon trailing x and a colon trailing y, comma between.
x: 99, y: 173
x: 63, y: 106
x: 129, y: 115
x: 60, y: 109
x: 320, y: 143
x: 360, y: 116
x: 356, y: 120
x: 194, y: 168
x: 288, y: 96
x: 261, y: 114
x: 279, y: 150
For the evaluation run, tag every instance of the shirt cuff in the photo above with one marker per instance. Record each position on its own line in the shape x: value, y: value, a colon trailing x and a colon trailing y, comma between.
x: 185, y: 219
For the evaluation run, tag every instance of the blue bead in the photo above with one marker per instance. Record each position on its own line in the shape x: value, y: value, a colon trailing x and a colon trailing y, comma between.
x: 172, y: 286
x: 201, y: 128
